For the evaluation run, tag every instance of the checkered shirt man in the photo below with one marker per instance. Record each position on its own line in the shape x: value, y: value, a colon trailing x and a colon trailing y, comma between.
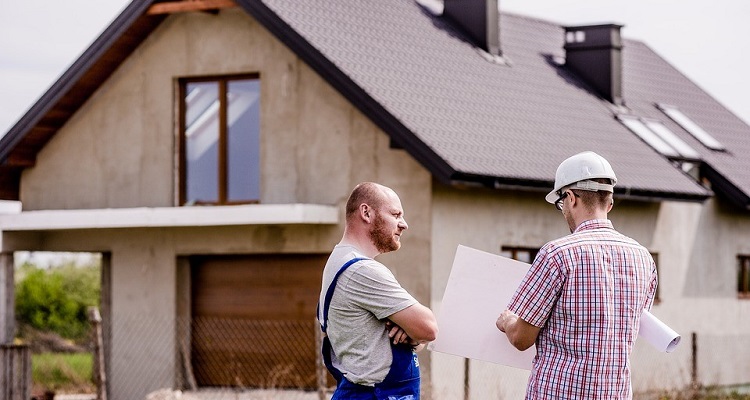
x: 586, y: 291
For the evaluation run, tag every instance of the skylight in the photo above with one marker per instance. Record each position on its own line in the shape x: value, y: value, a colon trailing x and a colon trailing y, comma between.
x: 658, y: 136
x: 668, y: 136
x: 648, y: 136
x: 686, y: 123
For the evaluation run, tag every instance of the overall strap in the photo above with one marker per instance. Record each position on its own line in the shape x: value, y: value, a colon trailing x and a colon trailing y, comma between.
x: 329, y: 292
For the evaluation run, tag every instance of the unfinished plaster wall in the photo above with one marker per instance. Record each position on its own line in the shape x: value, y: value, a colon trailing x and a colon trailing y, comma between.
x: 699, y: 245
x: 119, y: 151
x: 488, y: 220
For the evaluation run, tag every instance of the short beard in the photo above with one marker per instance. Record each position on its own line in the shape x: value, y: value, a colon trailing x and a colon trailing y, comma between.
x: 382, y: 239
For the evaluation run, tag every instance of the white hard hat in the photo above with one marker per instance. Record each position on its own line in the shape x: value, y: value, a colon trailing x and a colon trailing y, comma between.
x: 580, y: 169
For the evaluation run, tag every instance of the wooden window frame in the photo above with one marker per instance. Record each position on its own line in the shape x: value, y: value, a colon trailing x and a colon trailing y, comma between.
x: 514, y: 250
x: 222, y: 81
x: 743, y: 276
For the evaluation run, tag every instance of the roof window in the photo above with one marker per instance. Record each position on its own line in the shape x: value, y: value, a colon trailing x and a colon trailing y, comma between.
x: 659, y: 137
x: 691, y: 127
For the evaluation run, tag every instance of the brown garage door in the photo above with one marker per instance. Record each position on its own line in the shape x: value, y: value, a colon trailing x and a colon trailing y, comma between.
x: 253, y: 320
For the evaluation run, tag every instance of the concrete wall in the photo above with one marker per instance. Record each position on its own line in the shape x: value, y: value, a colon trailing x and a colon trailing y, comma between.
x: 118, y: 150
x: 691, y: 260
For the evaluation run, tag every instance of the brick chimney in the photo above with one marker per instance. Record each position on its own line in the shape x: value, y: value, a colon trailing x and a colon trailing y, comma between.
x: 594, y: 52
x: 479, y: 18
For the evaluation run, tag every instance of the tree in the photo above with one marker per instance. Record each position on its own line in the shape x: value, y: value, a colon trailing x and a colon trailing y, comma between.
x: 56, y: 299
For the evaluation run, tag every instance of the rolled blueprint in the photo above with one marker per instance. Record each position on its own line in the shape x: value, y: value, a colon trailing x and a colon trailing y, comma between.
x: 662, y: 337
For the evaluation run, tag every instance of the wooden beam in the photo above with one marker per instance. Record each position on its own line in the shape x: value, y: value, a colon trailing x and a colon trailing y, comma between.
x: 188, y: 6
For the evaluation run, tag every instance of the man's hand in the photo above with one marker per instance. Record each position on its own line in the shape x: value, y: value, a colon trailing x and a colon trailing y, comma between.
x: 521, y: 334
x: 504, y: 319
x: 397, y: 334
x: 418, y: 321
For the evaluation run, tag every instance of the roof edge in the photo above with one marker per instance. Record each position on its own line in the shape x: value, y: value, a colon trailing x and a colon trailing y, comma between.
x: 71, y: 76
x: 400, y: 134
x: 532, y: 185
x: 724, y: 187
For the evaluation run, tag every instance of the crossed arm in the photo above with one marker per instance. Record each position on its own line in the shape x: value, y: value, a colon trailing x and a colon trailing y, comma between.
x: 415, y: 325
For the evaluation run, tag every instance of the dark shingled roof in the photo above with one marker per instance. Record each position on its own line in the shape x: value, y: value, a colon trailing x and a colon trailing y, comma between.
x: 468, y: 118
x: 507, y: 124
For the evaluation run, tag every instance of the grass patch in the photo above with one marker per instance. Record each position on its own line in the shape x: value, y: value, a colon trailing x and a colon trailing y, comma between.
x: 707, y: 393
x: 63, y: 372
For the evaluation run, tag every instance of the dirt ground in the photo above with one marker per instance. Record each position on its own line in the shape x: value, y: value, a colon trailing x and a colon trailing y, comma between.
x: 208, y: 394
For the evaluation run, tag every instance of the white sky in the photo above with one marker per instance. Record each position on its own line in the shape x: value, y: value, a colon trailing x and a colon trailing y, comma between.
x: 709, y: 41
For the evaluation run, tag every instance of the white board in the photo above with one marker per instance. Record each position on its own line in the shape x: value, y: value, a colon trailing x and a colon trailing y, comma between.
x: 478, y: 291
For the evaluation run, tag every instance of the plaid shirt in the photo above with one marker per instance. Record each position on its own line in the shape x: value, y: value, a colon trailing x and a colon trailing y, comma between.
x: 586, y: 291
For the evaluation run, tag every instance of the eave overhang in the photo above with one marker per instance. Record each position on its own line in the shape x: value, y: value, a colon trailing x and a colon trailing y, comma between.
x: 622, y: 192
x: 720, y: 184
x: 20, y: 145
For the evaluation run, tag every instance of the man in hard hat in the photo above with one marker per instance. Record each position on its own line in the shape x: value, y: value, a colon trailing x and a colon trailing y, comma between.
x: 582, y: 299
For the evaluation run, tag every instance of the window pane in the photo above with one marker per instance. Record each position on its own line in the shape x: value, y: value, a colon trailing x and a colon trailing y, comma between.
x: 524, y: 254
x: 668, y: 136
x: 637, y: 127
x: 201, y: 142
x: 686, y: 123
x: 243, y: 119
x: 743, y: 275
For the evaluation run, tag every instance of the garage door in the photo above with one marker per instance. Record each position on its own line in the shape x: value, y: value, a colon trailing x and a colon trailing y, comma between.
x: 253, y: 320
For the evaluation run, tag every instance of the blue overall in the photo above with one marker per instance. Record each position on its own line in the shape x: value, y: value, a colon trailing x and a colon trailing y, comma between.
x: 402, y: 380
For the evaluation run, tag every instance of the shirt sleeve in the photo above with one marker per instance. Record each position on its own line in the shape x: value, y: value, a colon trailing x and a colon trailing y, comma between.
x: 373, y: 287
x: 539, y: 290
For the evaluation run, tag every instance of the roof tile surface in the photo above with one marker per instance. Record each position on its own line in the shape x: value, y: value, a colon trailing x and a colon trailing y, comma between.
x: 516, y: 121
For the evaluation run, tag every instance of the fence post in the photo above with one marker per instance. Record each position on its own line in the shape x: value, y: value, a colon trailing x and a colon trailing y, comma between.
x: 7, y: 298
x: 100, y: 375
x: 467, y: 380
x: 694, y: 361
x: 15, y: 372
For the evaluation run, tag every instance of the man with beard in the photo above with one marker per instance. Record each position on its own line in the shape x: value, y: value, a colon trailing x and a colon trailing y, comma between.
x: 372, y: 326
x: 581, y: 300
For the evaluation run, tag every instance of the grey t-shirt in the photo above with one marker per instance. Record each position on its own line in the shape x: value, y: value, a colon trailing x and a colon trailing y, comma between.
x: 366, y: 294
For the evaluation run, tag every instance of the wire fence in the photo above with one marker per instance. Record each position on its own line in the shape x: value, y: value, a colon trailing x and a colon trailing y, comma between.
x: 227, y: 358
x: 714, y: 362
x: 202, y: 358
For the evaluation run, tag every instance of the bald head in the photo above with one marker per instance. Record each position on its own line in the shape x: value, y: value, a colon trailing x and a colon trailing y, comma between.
x: 374, y: 219
x: 369, y: 193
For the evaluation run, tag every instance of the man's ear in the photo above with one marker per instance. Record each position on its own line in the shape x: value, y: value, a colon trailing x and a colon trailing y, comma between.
x: 365, y: 211
x: 572, y: 197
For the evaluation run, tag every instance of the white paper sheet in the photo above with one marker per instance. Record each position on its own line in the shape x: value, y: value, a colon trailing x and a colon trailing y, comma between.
x: 478, y: 291
x: 657, y: 333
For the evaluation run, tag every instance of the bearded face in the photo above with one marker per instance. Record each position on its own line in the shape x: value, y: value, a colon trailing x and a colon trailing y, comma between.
x: 385, y: 236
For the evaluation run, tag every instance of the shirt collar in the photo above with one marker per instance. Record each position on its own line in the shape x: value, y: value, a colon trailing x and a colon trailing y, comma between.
x: 594, y: 224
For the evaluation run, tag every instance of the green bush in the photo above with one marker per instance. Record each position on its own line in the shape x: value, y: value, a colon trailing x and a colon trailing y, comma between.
x: 68, y: 373
x: 57, y: 299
